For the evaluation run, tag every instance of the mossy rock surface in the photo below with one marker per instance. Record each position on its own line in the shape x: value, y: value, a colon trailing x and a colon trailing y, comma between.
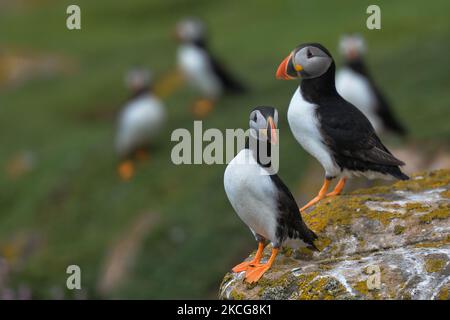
x: 390, y: 242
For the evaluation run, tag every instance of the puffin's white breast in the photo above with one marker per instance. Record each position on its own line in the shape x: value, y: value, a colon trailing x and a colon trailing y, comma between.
x: 252, y: 194
x: 140, y: 121
x: 304, y: 125
x: 196, y: 67
x: 356, y: 89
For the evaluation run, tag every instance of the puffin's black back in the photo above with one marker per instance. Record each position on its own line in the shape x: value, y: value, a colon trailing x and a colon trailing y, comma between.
x: 230, y: 83
x: 290, y: 222
x: 353, y: 141
x: 384, y: 111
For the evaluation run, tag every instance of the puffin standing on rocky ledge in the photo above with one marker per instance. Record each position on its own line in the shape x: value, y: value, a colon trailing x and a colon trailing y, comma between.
x: 355, y: 84
x: 328, y: 127
x: 260, y: 198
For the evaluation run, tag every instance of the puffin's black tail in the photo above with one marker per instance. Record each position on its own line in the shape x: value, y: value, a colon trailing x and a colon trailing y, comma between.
x: 308, y: 236
x: 385, y: 112
x: 391, y: 123
x: 395, y: 172
x: 230, y: 83
x: 400, y: 175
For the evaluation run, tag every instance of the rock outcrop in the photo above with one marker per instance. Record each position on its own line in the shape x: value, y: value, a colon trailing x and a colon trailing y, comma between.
x: 389, y: 242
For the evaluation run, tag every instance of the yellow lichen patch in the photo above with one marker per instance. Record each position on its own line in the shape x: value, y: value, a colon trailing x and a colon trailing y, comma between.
x: 266, y: 284
x: 440, y: 213
x: 383, y: 216
x: 434, y: 179
x: 236, y: 295
x: 303, y: 253
x: 417, y: 207
x: 443, y: 294
x: 446, y: 194
x: 434, y: 265
x: 372, y: 191
x: 361, y: 287
x: 339, y: 210
x: 322, y: 243
x: 312, y: 287
x: 434, y: 244
x: 398, y: 229
x: 286, y: 251
x: 325, y: 266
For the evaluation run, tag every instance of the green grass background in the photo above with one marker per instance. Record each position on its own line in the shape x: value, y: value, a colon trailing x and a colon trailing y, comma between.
x: 74, y: 198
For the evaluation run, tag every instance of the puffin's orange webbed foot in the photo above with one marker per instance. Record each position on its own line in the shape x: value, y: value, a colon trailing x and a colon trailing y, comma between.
x: 142, y: 155
x: 202, y: 107
x: 126, y: 170
x: 246, y: 264
x: 243, y: 266
x: 254, y: 273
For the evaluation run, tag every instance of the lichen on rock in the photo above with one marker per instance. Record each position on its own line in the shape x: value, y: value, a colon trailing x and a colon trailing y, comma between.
x: 389, y: 242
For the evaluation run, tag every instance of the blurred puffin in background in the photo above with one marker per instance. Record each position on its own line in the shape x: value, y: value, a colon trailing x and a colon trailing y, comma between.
x: 201, y: 69
x: 140, y: 121
x: 330, y: 128
x: 355, y: 84
x: 260, y: 198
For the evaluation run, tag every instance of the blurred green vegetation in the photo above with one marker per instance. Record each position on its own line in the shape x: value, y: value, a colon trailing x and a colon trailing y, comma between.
x: 74, y: 200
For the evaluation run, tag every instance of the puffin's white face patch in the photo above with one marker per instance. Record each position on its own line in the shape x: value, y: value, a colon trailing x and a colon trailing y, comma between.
x: 352, y: 44
x: 190, y: 29
x: 258, y: 125
x: 314, y: 62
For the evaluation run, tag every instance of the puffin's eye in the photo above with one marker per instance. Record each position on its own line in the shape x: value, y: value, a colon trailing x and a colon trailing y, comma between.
x: 309, y: 54
x: 255, y: 117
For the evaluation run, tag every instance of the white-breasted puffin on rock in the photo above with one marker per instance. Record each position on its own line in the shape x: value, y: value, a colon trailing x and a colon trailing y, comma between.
x: 355, y: 84
x: 139, y: 123
x: 260, y: 198
x: 330, y: 128
x: 200, y: 68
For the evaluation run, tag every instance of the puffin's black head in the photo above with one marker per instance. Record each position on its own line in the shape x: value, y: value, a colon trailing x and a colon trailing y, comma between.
x: 308, y: 61
x: 190, y: 30
x: 352, y: 46
x: 263, y: 124
x: 138, y: 79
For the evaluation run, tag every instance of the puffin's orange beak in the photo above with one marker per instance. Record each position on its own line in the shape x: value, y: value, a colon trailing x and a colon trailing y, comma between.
x: 352, y: 54
x: 273, y: 131
x: 282, y: 69
x: 287, y: 70
x: 176, y: 35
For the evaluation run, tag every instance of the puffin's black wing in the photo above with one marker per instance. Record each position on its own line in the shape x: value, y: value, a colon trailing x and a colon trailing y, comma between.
x: 383, y: 108
x: 290, y: 222
x: 353, y: 141
x: 230, y: 84
x: 384, y: 111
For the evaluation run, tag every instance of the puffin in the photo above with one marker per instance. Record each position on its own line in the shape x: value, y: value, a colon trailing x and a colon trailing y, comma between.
x: 260, y: 198
x: 356, y: 85
x: 201, y: 68
x: 139, y: 123
x: 329, y: 127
